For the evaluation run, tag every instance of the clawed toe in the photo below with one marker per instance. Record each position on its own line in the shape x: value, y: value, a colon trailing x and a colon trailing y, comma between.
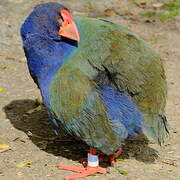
x: 83, y: 172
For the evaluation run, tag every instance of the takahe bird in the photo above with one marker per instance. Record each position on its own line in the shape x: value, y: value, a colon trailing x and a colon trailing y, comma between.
x: 99, y: 81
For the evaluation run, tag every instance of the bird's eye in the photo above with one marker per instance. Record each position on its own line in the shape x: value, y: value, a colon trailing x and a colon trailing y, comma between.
x: 59, y: 20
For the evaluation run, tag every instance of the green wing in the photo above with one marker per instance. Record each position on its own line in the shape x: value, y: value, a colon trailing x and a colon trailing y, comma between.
x: 109, y: 54
x: 78, y: 107
x: 130, y: 65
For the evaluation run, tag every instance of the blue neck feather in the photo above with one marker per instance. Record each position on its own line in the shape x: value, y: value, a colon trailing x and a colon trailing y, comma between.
x: 45, y: 57
x: 44, y: 48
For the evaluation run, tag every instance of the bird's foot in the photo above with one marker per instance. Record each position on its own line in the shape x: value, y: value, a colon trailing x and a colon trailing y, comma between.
x: 83, y: 172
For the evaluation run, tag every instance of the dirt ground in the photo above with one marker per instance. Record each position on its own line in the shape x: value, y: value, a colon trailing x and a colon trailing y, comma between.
x: 35, y: 151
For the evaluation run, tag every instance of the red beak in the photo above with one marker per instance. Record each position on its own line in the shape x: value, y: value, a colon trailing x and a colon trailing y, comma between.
x: 68, y: 28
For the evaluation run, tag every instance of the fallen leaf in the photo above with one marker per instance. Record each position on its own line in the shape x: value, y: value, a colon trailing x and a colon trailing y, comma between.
x: 141, y: 4
x: 1, y: 89
x: 42, y: 145
x: 109, y: 12
x: 39, y: 104
x: 19, y: 174
x: 66, y: 150
x: 4, y: 147
x: 89, y: 5
x: 19, y: 139
x: 170, y: 162
x: 122, y: 172
x: 157, y: 5
x: 39, y: 108
x: 119, y: 159
x: 24, y: 163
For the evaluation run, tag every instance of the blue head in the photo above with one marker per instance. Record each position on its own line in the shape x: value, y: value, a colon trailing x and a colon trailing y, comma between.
x: 44, y: 47
x: 43, y: 20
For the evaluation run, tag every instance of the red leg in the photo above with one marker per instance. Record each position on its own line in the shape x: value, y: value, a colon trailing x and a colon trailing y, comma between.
x: 104, y: 158
x: 84, y: 161
x: 111, y: 158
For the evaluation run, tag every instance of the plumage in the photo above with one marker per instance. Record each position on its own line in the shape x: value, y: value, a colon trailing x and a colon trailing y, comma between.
x: 103, y: 88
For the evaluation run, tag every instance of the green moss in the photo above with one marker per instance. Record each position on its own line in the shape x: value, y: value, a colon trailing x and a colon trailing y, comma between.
x: 173, y: 6
x: 149, y: 14
x: 172, y: 10
x: 162, y: 16
x: 168, y: 16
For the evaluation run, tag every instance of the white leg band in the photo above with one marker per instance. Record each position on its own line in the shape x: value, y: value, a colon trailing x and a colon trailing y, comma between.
x: 93, y: 160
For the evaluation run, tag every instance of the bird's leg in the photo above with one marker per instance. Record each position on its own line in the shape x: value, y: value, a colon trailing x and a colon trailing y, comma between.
x: 104, y: 158
x: 84, y: 161
x: 111, y: 158
x: 91, y: 168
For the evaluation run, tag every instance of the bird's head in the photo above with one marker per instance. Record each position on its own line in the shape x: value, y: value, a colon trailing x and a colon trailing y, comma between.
x: 53, y: 20
x: 49, y: 35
